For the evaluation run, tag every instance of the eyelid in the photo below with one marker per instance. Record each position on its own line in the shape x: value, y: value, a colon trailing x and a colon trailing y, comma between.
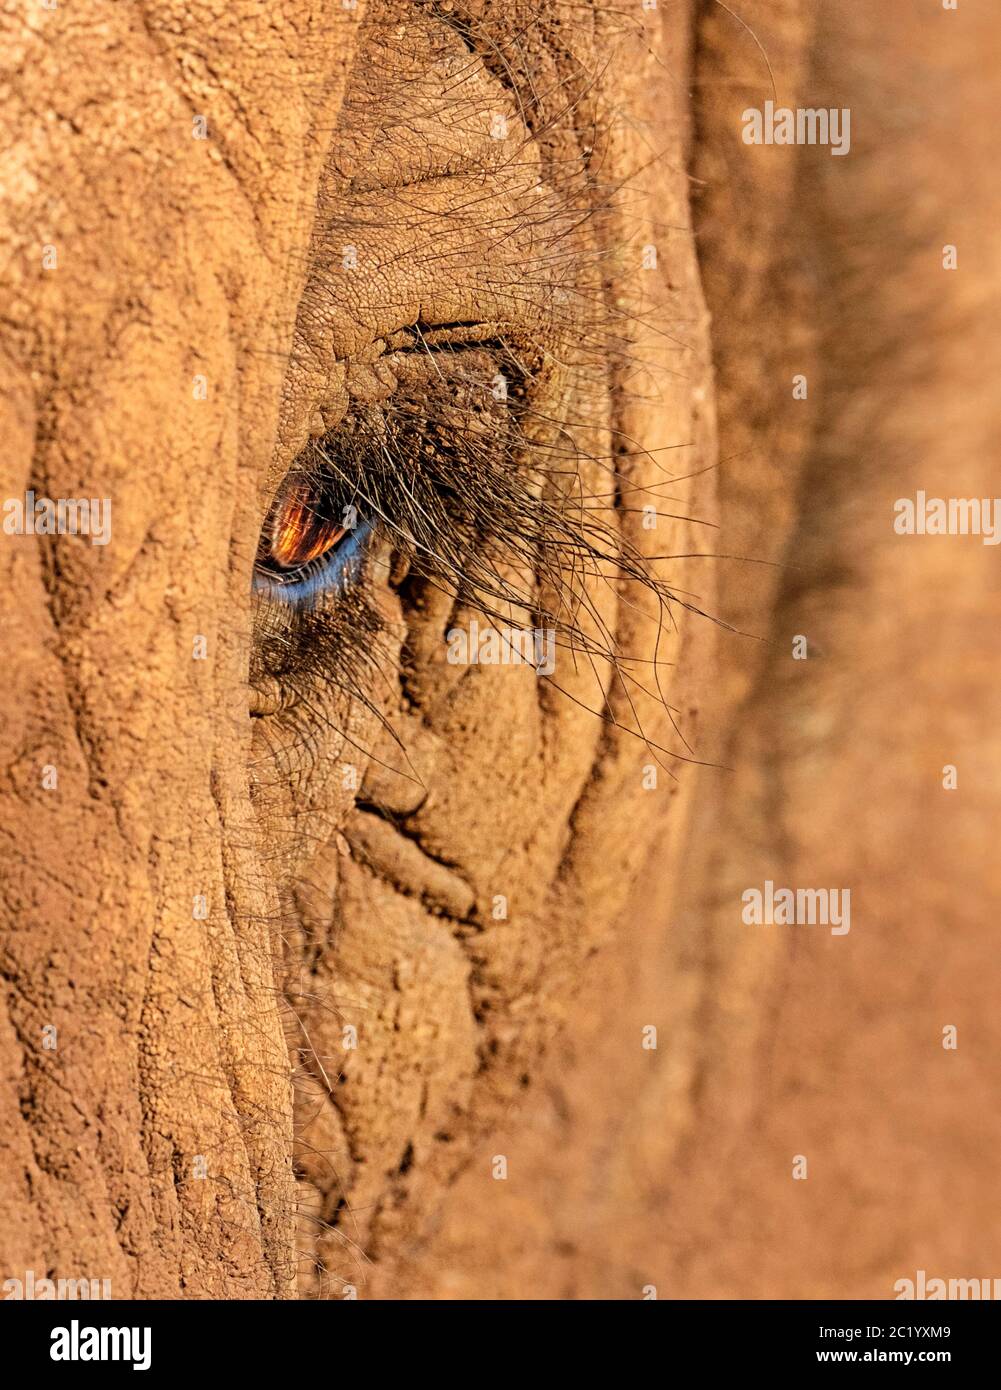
x: 442, y: 336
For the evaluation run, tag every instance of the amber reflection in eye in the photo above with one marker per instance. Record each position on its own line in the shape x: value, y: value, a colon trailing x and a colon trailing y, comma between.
x: 302, y: 531
x: 313, y: 542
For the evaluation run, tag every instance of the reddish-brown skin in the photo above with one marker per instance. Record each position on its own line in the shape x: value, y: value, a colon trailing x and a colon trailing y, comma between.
x: 182, y: 1108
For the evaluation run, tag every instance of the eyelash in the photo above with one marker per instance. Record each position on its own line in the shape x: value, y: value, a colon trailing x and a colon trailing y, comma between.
x: 465, y: 502
x: 338, y: 573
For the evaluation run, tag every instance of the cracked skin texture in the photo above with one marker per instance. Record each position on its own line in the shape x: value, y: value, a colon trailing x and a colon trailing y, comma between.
x: 222, y: 1040
x: 217, y: 1044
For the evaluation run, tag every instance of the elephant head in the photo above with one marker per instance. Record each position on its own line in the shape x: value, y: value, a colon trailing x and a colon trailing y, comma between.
x: 385, y: 747
x: 367, y: 349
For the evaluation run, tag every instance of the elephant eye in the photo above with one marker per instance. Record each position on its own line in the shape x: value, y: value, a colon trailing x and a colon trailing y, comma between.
x: 302, y: 534
x: 312, y: 542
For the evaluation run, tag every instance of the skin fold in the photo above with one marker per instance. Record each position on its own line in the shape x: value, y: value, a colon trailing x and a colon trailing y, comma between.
x: 304, y: 925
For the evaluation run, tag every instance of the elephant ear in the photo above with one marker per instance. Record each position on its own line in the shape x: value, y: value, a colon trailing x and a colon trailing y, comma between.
x: 156, y: 240
x: 544, y: 800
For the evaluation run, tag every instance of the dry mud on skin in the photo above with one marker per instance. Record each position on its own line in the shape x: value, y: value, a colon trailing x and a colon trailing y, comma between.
x: 305, y: 924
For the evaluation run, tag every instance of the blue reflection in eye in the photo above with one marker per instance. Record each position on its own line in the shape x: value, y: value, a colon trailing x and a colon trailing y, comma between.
x: 333, y: 573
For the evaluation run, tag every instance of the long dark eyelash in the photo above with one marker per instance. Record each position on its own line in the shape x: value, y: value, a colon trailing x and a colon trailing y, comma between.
x: 479, y: 497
